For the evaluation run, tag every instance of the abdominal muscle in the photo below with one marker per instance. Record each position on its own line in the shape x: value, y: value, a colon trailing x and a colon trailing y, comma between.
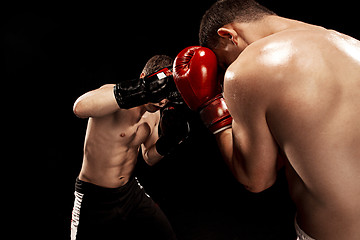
x: 110, y: 152
x: 109, y: 173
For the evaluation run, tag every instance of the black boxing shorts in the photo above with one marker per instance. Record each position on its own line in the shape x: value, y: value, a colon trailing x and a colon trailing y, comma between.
x: 126, y: 212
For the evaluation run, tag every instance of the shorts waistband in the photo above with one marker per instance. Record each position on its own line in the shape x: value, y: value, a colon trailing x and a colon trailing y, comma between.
x: 90, y: 188
x: 301, y: 235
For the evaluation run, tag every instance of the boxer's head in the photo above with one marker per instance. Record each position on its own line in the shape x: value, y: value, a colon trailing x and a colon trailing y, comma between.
x: 219, y: 29
x: 153, y: 65
x: 156, y: 63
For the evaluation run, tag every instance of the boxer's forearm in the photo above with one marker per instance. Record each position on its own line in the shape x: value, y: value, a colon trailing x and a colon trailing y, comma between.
x: 96, y: 103
x: 225, y: 143
x: 239, y: 166
x: 226, y: 146
x: 151, y: 156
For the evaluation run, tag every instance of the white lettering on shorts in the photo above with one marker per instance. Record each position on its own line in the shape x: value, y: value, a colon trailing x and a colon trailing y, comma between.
x: 76, y: 214
x: 141, y: 187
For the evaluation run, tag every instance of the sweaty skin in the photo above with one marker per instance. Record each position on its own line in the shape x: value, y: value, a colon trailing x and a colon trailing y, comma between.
x: 114, y: 136
x: 296, y: 87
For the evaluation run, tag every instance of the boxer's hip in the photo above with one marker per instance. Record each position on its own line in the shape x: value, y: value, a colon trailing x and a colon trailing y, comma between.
x: 301, y: 235
x: 96, y: 207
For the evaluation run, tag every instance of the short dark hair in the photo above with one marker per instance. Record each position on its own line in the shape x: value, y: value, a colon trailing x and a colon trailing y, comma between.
x: 224, y: 12
x: 156, y: 63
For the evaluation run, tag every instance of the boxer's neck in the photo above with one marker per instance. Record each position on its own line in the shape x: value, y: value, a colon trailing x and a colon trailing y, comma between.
x: 256, y: 30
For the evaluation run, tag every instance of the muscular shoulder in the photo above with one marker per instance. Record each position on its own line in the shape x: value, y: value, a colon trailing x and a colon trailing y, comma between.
x: 257, y: 68
x: 273, y: 53
x: 265, y: 65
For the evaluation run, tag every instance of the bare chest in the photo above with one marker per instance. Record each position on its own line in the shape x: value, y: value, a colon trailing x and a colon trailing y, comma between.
x: 133, y: 133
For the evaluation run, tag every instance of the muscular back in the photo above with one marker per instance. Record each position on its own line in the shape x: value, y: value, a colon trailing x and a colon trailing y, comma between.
x: 307, y: 84
x: 315, y: 120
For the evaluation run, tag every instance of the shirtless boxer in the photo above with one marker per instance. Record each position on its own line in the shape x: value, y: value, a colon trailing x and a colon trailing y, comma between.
x: 109, y: 201
x: 292, y: 89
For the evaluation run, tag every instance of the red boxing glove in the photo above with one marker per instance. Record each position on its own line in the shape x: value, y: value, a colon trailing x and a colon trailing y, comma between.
x: 195, y: 75
x: 215, y: 115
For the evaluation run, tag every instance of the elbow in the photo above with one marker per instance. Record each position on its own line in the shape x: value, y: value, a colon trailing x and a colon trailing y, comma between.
x: 79, y: 109
x: 148, y: 162
x: 257, y: 188
x: 259, y: 185
x: 147, y: 159
x: 151, y: 158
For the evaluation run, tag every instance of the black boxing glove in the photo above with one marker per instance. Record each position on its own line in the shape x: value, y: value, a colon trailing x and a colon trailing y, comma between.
x: 173, y: 128
x: 152, y: 88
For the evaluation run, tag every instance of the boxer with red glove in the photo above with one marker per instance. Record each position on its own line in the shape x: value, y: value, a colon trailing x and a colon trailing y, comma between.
x: 195, y: 75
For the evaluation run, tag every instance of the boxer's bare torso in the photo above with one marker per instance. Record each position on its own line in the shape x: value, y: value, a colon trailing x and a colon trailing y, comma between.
x: 299, y: 89
x: 114, y: 136
x: 315, y: 120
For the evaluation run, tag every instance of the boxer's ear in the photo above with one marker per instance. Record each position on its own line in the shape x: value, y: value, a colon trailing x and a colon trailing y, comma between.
x: 229, y: 33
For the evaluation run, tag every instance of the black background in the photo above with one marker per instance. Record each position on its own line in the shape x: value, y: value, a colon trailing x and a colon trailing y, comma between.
x: 54, y: 52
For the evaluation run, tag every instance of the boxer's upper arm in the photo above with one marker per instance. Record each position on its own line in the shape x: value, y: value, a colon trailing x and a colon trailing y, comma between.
x: 96, y: 103
x: 149, y: 152
x: 254, y: 149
